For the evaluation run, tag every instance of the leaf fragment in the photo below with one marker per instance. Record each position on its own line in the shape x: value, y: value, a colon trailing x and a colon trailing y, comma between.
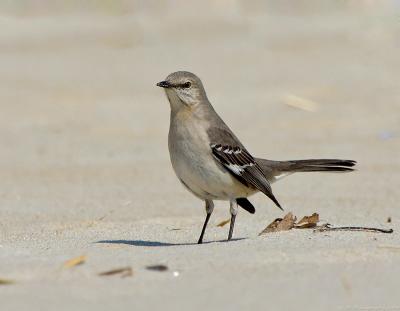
x: 6, y: 282
x: 75, y: 261
x: 280, y: 224
x: 223, y: 223
x: 124, y: 272
x: 308, y: 222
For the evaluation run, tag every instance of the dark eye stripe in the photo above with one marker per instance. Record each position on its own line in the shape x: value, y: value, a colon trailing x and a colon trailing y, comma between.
x: 185, y: 85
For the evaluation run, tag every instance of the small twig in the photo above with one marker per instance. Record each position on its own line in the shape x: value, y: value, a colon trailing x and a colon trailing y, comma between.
x: 124, y: 272
x: 327, y: 227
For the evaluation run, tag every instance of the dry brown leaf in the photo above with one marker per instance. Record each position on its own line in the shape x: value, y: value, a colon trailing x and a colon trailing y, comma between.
x: 75, y: 261
x: 280, y: 224
x: 124, y: 272
x: 308, y: 222
x: 6, y: 282
x: 289, y: 222
x: 223, y: 223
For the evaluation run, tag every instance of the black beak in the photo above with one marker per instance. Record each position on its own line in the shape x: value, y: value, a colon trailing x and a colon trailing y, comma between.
x: 164, y: 84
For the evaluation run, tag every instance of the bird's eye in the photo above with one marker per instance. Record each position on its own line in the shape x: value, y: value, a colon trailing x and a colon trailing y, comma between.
x: 186, y: 85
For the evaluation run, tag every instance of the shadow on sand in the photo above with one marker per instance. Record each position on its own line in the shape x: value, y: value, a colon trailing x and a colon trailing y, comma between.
x: 156, y: 243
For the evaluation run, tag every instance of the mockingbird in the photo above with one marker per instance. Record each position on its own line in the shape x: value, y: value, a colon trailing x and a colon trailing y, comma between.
x: 209, y: 159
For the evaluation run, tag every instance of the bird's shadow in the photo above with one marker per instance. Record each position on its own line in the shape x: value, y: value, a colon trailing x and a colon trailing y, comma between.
x: 145, y: 243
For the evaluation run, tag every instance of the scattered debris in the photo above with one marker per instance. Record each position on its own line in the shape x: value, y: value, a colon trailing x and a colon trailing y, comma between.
x: 327, y: 227
x: 389, y: 220
x: 223, y: 223
x: 160, y: 268
x: 280, y: 224
x: 75, y: 261
x: 307, y: 222
x: 6, y: 282
x: 300, y: 103
x: 124, y: 272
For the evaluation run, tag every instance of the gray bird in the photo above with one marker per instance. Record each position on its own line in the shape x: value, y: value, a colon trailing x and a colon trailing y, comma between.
x: 209, y: 159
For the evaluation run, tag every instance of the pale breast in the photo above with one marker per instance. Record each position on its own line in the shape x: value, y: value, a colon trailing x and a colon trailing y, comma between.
x: 195, y: 165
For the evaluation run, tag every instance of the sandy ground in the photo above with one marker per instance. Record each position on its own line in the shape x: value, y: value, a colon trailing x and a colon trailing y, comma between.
x: 84, y: 165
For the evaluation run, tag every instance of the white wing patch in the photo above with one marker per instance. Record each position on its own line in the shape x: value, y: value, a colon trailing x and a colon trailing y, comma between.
x: 238, y: 169
x: 241, y: 164
x: 233, y: 158
x: 280, y: 176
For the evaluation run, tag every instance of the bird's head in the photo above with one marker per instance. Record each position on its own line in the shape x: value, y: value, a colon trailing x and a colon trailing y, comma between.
x: 183, y: 89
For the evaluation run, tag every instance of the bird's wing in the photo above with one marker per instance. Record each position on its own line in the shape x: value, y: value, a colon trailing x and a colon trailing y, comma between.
x: 229, y: 152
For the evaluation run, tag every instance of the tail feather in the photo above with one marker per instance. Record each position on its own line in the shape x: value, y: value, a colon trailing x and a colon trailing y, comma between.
x: 321, y: 165
x: 275, y: 170
x: 325, y: 162
x: 312, y: 168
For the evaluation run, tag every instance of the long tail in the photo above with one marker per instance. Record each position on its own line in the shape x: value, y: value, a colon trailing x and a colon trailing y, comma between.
x: 321, y: 165
x: 274, y: 170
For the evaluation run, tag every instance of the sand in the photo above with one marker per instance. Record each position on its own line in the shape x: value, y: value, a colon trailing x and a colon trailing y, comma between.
x: 84, y: 164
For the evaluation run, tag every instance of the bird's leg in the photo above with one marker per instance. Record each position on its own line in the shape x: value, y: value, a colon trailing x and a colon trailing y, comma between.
x: 233, y: 210
x: 209, y: 210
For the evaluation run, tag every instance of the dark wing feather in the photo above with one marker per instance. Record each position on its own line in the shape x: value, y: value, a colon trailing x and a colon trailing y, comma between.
x: 238, y: 161
x: 246, y: 205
